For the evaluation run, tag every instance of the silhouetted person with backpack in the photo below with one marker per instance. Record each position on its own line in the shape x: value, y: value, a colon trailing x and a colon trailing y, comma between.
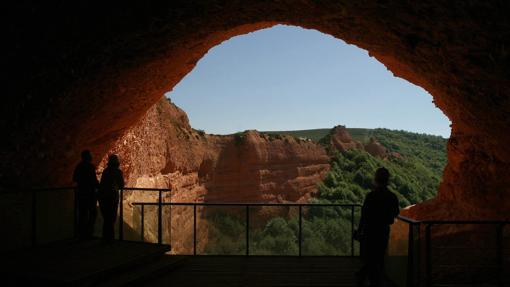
x: 86, y: 184
x: 379, y: 211
x: 112, y: 181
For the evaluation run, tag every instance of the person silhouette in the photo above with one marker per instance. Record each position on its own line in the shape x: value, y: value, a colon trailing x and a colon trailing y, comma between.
x: 377, y: 214
x: 86, y: 184
x: 111, y: 182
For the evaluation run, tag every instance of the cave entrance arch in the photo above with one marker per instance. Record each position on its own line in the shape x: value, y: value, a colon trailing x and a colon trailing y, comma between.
x: 280, y: 80
x: 127, y: 57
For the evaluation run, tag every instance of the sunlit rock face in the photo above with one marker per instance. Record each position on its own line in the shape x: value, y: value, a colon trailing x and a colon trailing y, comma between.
x: 341, y: 140
x: 163, y: 151
x: 81, y: 76
x: 375, y: 148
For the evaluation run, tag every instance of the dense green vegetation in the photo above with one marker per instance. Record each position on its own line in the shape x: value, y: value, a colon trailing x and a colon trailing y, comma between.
x: 415, y: 177
x: 325, y: 231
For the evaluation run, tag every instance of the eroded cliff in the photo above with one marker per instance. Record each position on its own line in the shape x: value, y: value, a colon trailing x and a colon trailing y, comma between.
x: 163, y: 151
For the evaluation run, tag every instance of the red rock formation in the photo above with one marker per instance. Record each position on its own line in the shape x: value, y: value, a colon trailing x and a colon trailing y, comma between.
x: 261, y: 168
x: 340, y: 139
x: 375, y: 148
x: 162, y: 150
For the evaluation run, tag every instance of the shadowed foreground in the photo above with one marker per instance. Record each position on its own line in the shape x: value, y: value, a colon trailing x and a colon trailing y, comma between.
x: 86, y: 263
x: 262, y: 271
x: 124, y: 263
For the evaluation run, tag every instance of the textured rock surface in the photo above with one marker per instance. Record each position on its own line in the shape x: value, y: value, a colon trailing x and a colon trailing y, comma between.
x: 340, y: 139
x: 81, y: 75
x: 163, y: 151
x: 375, y: 148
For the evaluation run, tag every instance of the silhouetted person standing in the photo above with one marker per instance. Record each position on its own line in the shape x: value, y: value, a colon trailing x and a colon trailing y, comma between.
x: 112, y: 181
x: 379, y: 211
x: 85, y: 177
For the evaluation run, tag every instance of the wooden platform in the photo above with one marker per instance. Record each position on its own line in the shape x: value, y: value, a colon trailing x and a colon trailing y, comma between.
x: 84, y: 263
x: 262, y: 271
x: 94, y: 263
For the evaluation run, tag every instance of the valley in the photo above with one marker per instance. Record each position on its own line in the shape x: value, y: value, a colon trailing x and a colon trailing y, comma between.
x: 321, y: 165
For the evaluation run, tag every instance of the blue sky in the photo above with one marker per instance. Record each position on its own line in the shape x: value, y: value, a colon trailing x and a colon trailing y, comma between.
x: 289, y: 78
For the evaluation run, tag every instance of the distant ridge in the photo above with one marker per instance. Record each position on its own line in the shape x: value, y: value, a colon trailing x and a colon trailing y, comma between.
x: 360, y: 134
x: 313, y: 134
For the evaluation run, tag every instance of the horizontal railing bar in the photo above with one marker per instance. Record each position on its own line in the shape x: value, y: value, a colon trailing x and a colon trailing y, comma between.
x: 147, y: 189
x: 408, y: 220
x: 468, y: 247
x: 19, y: 190
x: 470, y: 266
x: 248, y: 204
x: 437, y: 222
x: 263, y: 255
x: 51, y: 189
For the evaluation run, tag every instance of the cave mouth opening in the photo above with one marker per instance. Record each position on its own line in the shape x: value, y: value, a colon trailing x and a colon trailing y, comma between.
x: 84, y: 95
x: 291, y: 78
x: 300, y: 82
x: 127, y: 69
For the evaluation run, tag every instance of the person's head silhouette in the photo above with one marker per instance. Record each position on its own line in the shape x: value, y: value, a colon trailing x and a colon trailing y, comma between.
x: 113, y: 161
x: 86, y: 155
x: 382, y: 176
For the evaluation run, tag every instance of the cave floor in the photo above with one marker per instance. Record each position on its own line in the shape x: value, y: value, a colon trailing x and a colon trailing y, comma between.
x: 122, y: 263
x: 261, y: 271
x: 76, y: 262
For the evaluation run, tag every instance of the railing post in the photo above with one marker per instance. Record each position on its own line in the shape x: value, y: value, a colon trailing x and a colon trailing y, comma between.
x: 34, y: 218
x: 75, y: 213
x: 300, y: 237
x: 352, y: 230
x: 499, y: 250
x: 121, y: 215
x: 428, y: 255
x: 247, y: 230
x: 419, y: 257
x: 160, y: 234
x: 410, y: 256
x: 142, y: 225
x: 170, y: 220
x: 194, y: 229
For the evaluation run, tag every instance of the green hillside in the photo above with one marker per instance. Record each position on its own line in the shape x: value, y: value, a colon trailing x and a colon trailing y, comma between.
x: 359, y: 134
x: 416, y: 174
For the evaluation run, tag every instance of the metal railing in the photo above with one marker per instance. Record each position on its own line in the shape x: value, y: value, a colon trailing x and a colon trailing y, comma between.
x: 35, y: 198
x: 420, y: 241
x: 247, y: 207
x: 420, y: 238
x: 36, y: 195
x: 160, y: 203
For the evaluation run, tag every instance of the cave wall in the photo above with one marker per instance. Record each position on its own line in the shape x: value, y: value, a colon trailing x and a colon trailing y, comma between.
x: 81, y: 74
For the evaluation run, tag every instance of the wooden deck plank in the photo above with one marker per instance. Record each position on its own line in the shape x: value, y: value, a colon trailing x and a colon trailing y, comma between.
x: 77, y: 260
x: 262, y: 271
